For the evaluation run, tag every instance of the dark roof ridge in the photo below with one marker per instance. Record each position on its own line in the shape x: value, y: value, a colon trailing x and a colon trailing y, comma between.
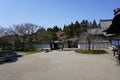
x: 105, y: 19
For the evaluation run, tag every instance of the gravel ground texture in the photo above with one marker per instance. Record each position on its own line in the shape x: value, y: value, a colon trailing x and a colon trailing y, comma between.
x: 61, y: 65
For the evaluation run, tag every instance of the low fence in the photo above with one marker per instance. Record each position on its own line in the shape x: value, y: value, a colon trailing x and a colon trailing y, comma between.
x: 81, y: 45
x: 42, y: 46
x: 95, y: 45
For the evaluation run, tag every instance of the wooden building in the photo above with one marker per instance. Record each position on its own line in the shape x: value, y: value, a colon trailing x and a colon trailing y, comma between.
x: 114, y: 28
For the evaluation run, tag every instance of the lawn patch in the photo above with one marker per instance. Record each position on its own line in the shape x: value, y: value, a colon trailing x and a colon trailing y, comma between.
x: 91, y: 51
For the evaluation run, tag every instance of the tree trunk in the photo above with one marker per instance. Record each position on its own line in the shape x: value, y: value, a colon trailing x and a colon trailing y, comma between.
x: 89, y: 44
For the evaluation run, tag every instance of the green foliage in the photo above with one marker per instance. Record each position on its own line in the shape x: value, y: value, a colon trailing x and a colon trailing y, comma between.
x: 44, y: 36
x: 91, y: 51
x: 33, y: 51
x: 75, y: 29
x: 54, y: 29
x: 94, y: 25
x: 22, y: 37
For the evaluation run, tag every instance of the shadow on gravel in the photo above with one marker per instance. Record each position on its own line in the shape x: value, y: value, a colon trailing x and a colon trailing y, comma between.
x: 8, y: 57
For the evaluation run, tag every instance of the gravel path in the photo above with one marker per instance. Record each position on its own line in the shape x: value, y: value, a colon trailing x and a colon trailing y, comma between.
x: 61, y: 65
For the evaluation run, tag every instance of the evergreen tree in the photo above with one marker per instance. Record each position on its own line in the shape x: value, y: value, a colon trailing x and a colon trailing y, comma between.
x: 49, y: 29
x: 84, y: 25
x: 94, y: 25
x: 77, y: 28
x: 56, y: 29
x: 66, y: 29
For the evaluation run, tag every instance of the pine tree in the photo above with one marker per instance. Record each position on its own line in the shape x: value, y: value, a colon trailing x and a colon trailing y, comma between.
x: 94, y: 25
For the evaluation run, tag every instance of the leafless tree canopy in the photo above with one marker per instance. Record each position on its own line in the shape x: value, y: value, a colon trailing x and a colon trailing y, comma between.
x: 18, y: 37
x: 2, y: 31
x: 24, y: 29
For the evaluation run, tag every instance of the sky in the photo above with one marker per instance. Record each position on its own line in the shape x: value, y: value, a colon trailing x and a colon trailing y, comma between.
x: 49, y: 13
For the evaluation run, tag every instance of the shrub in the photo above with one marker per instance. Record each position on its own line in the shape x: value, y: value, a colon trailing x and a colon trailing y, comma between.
x: 91, y: 51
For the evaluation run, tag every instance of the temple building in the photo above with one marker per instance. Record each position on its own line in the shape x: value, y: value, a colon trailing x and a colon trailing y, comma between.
x: 114, y: 28
x: 104, y: 24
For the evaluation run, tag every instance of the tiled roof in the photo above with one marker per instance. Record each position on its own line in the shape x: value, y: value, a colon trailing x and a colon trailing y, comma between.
x: 96, y: 31
x: 104, y: 24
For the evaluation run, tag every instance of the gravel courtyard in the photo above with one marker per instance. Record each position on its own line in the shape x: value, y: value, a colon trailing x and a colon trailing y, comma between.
x: 61, y: 65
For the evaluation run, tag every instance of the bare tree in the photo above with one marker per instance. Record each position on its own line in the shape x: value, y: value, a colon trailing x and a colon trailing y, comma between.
x: 24, y: 34
x: 2, y: 31
x: 4, y: 38
x: 86, y: 38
